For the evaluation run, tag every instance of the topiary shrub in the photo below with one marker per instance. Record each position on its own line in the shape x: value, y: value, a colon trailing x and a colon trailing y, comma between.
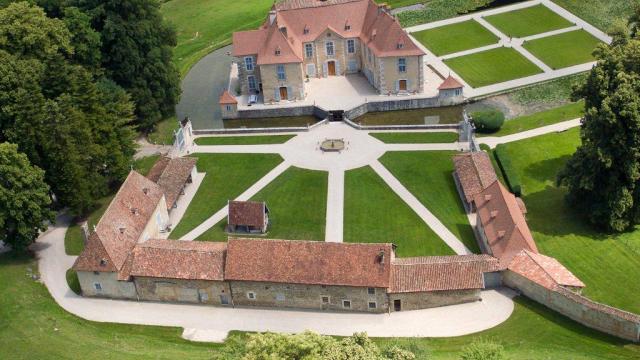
x: 488, y: 121
x: 482, y: 350
x: 509, y: 172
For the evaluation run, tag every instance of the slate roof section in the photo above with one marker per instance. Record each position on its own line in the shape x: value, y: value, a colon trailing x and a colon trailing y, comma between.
x: 174, y: 259
x: 475, y: 172
x: 174, y: 177
x: 246, y: 213
x: 122, y: 224
x: 440, y: 273
x: 543, y: 270
x: 450, y: 83
x: 309, y: 262
x: 504, y: 224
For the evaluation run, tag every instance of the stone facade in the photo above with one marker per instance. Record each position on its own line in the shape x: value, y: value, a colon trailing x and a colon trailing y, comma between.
x: 105, y: 284
x: 273, y: 87
x: 425, y: 300
x: 266, y: 294
x: 178, y: 290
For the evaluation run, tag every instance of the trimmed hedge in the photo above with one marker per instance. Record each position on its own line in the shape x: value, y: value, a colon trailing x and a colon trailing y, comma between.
x: 488, y: 121
x: 510, y: 174
x: 73, y: 282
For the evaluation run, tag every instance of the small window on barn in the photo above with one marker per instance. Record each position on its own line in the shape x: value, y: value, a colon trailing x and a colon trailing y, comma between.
x: 346, y: 304
x: 97, y: 286
x: 96, y: 273
x: 325, y: 299
x: 251, y: 295
x: 371, y: 291
x: 277, y: 51
x: 280, y: 297
x: 372, y: 305
x: 305, y: 30
x: 400, y: 45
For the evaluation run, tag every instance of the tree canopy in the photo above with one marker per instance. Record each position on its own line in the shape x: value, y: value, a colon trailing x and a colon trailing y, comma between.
x: 24, y: 198
x: 603, y: 176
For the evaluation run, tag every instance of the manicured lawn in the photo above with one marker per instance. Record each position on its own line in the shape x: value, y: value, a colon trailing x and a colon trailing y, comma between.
x: 453, y: 38
x: 428, y: 175
x: 600, y: 13
x: 33, y: 326
x: 543, y: 118
x: 373, y: 213
x: 297, y: 201
x: 608, y: 264
x: 227, y: 176
x: 243, y: 140
x: 73, y: 239
x: 416, y: 137
x: 492, y: 66
x: 564, y: 50
x: 162, y: 134
x: 528, y: 21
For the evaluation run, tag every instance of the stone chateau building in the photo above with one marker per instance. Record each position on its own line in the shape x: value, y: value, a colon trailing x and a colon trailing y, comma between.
x: 319, y: 38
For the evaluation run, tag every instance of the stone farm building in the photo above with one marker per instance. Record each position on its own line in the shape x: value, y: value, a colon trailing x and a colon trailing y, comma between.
x: 320, y: 38
x: 248, y: 217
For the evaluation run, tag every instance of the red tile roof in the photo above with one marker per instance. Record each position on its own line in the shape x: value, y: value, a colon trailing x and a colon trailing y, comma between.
x: 174, y: 177
x: 175, y: 259
x: 504, y: 224
x: 543, y: 270
x: 379, y: 30
x: 246, y: 213
x: 309, y: 262
x: 475, y: 172
x: 158, y: 168
x: 227, y: 98
x: 94, y: 257
x: 450, y: 83
x: 440, y: 273
x: 122, y: 224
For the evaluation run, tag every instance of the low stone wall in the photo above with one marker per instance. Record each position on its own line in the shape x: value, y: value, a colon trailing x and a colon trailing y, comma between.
x: 425, y: 300
x: 257, y: 130
x: 579, y: 308
x: 401, y: 127
x: 392, y: 105
x: 282, y: 112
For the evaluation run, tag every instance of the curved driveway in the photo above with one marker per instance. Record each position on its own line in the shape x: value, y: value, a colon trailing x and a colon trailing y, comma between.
x: 207, y: 323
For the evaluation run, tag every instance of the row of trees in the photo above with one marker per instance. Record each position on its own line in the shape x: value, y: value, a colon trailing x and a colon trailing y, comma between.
x: 603, y: 176
x: 77, y: 79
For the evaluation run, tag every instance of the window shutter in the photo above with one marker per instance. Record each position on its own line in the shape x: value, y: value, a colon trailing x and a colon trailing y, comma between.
x: 325, y: 69
x: 277, y: 97
x: 338, y: 68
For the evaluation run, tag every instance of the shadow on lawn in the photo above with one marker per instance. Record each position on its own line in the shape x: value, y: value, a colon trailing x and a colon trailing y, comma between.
x: 540, y: 171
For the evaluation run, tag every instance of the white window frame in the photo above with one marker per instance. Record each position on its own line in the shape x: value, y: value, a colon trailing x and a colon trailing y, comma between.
x: 375, y: 305
x: 251, y: 295
x: 248, y: 63
x: 344, y: 302
x: 351, y: 46
x: 229, y: 108
x: 97, y: 286
x: 282, y: 75
x: 402, y: 65
x: 255, y: 84
x: 330, y: 45
x: 458, y: 92
x: 308, y: 50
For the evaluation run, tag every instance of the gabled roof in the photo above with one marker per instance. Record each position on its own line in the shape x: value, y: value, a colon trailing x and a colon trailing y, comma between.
x: 475, y: 172
x: 174, y: 259
x: 174, y: 177
x: 440, y: 273
x: 94, y: 257
x: 450, y: 83
x: 158, y: 168
x: 227, y: 98
x: 246, y: 213
x: 289, y: 49
x: 248, y: 42
x: 122, y: 224
x: 543, y: 270
x: 309, y: 262
x: 504, y: 224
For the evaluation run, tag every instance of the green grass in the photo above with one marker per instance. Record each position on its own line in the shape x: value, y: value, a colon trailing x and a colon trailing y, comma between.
x: 528, y: 21
x: 428, y: 175
x: 297, y: 201
x: 608, y: 264
x: 74, y: 239
x: 492, y: 66
x: 73, y: 282
x: 162, y: 134
x: 564, y: 50
x: 227, y: 176
x: 600, y: 13
x: 438, y: 10
x: 416, y: 137
x: 243, y: 140
x: 548, y: 117
x: 457, y: 37
x: 548, y: 94
x: 373, y: 213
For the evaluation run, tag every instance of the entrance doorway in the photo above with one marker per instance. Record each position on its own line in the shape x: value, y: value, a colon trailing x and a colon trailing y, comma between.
x: 224, y: 300
x: 331, y: 67
x: 402, y: 85
x: 283, y: 93
x: 397, y: 305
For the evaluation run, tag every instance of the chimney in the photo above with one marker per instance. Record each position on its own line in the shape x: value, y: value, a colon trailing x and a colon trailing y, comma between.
x: 122, y: 229
x: 134, y: 211
x: 272, y: 16
x: 494, y: 213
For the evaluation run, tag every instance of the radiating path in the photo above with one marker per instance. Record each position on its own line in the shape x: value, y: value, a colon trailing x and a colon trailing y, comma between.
x: 493, y: 141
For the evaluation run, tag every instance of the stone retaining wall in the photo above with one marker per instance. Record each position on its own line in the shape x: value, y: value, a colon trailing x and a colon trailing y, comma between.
x: 316, y: 111
x: 579, y: 308
x: 257, y: 130
x: 402, y: 127
x: 392, y: 105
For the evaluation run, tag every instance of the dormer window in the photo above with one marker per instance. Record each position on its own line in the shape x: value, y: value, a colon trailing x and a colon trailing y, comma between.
x: 400, y: 46
x: 347, y: 27
x: 277, y: 52
x: 103, y: 262
x: 305, y: 30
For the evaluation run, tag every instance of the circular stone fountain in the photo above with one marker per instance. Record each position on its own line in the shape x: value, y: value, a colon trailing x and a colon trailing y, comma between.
x: 332, y: 145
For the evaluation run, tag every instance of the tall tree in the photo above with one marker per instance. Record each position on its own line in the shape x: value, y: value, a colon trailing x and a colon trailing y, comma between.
x: 24, y: 198
x: 137, y: 47
x: 603, y: 176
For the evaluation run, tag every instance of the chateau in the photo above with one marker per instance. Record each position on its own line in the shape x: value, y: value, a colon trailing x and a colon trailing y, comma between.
x: 320, y: 38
